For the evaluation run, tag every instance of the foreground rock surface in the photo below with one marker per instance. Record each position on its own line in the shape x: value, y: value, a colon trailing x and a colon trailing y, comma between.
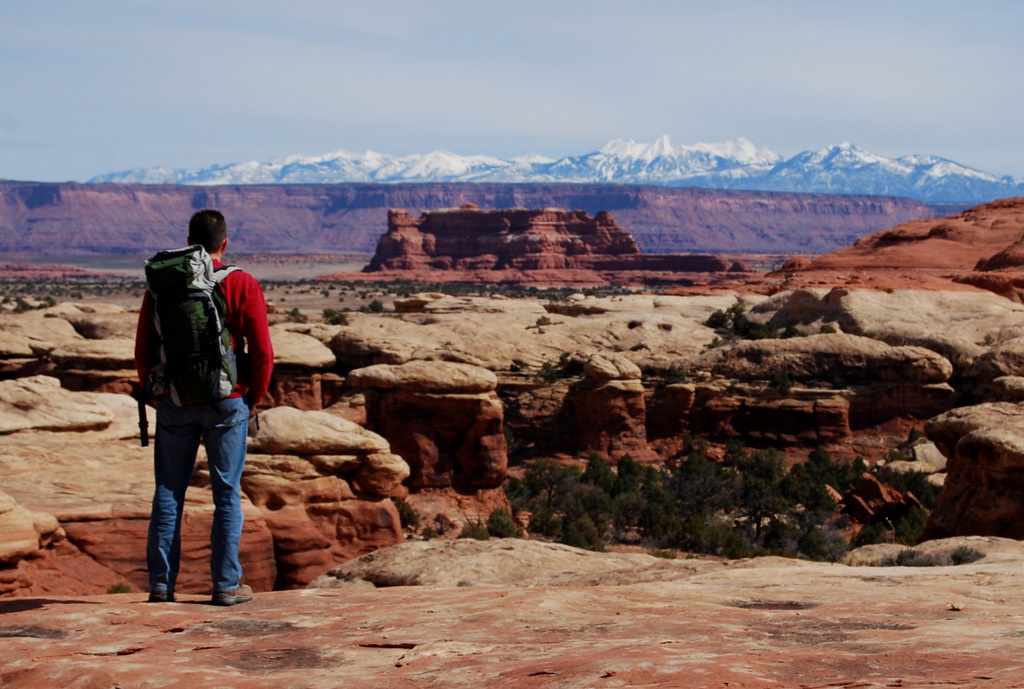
x: 638, y: 622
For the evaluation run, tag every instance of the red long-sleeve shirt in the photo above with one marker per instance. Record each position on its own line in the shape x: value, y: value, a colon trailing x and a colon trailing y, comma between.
x: 246, y: 317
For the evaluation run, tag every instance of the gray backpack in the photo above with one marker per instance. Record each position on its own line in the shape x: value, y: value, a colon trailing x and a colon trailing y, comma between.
x: 197, y: 364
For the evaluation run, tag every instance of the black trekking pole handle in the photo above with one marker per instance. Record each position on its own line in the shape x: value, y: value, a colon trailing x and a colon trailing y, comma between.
x: 140, y: 397
x: 143, y: 423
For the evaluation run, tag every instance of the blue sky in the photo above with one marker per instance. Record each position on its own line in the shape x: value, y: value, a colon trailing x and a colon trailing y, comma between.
x: 107, y: 85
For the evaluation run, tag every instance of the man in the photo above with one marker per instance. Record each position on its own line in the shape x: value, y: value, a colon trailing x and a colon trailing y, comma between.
x: 222, y: 426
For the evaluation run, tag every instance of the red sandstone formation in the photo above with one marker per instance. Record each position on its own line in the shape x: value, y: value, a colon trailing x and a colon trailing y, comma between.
x: 980, y: 248
x: 961, y: 242
x: 548, y: 246
x: 869, y: 501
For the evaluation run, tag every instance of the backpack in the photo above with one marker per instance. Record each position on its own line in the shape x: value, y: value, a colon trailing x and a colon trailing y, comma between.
x: 197, y: 364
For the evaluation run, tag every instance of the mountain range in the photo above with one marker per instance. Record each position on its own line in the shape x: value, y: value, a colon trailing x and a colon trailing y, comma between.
x: 736, y: 164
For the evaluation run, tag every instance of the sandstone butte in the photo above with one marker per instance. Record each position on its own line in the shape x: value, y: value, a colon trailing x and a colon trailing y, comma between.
x: 413, y: 405
x: 526, y: 246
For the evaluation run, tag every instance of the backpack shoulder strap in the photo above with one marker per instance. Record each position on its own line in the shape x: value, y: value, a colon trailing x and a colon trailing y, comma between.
x: 220, y: 273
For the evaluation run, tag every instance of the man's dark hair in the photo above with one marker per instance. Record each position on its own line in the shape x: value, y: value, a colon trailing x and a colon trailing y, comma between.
x: 208, y: 227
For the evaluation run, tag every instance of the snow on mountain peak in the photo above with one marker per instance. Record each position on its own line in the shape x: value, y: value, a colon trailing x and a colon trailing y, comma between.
x: 736, y: 164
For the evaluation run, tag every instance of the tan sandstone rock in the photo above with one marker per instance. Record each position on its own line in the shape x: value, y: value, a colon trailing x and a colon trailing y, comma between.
x: 32, y: 335
x: 39, y: 403
x: 285, y: 430
x: 443, y: 418
x: 316, y: 518
x: 18, y: 535
x: 300, y: 350
x: 606, y: 411
x: 830, y: 357
x: 984, y: 490
x: 425, y: 377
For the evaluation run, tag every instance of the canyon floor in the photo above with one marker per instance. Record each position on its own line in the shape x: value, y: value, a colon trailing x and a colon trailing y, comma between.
x: 523, y: 614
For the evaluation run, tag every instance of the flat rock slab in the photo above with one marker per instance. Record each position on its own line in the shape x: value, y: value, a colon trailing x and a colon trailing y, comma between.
x: 760, y: 623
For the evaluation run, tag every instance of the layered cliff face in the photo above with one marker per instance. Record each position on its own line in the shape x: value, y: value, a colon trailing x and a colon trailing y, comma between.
x: 548, y: 245
x: 469, y: 238
x: 337, y: 218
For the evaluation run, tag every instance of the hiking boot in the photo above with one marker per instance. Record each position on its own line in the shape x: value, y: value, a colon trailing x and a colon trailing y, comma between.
x: 240, y: 595
x: 161, y: 596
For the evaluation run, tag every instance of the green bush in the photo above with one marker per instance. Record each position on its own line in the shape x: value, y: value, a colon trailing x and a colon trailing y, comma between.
x: 120, y: 587
x: 500, y: 524
x: 334, y: 317
x: 407, y: 514
x: 782, y: 382
x: 744, y: 503
x: 908, y: 557
x: 963, y: 555
x: 475, y: 529
x: 674, y: 374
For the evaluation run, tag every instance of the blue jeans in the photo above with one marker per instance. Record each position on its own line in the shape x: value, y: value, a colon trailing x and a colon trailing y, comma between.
x: 223, y: 428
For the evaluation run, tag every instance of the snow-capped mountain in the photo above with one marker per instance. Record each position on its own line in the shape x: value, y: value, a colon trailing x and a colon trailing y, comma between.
x: 736, y: 164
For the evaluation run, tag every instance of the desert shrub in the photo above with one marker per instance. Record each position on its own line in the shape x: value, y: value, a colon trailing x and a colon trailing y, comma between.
x: 500, y: 524
x: 735, y: 323
x: 582, y: 532
x: 962, y: 555
x: 908, y: 557
x: 475, y: 529
x: 549, y: 373
x: 746, y: 503
x: 727, y: 542
x: 719, y: 319
x: 827, y: 329
x: 296, y: 316
x: 910, y: 526
x: 782, y: 382
x: 663, y: 554
x: 120, y: 587
x: 408, y: 517
x: 821, y: 544
x: 334, y: 317
x: 869, y: 534
x: 674, y: 374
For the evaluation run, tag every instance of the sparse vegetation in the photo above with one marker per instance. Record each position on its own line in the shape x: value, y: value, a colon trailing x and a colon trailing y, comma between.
x: 908, y: 557
x: 746, y: 504
x: 408, y: 517
x: 782, y: 382
x: 733, y: 323
x: 334, y: 317
x: 962, y: 555
x: 500, y: 524
x: 475, y: 529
